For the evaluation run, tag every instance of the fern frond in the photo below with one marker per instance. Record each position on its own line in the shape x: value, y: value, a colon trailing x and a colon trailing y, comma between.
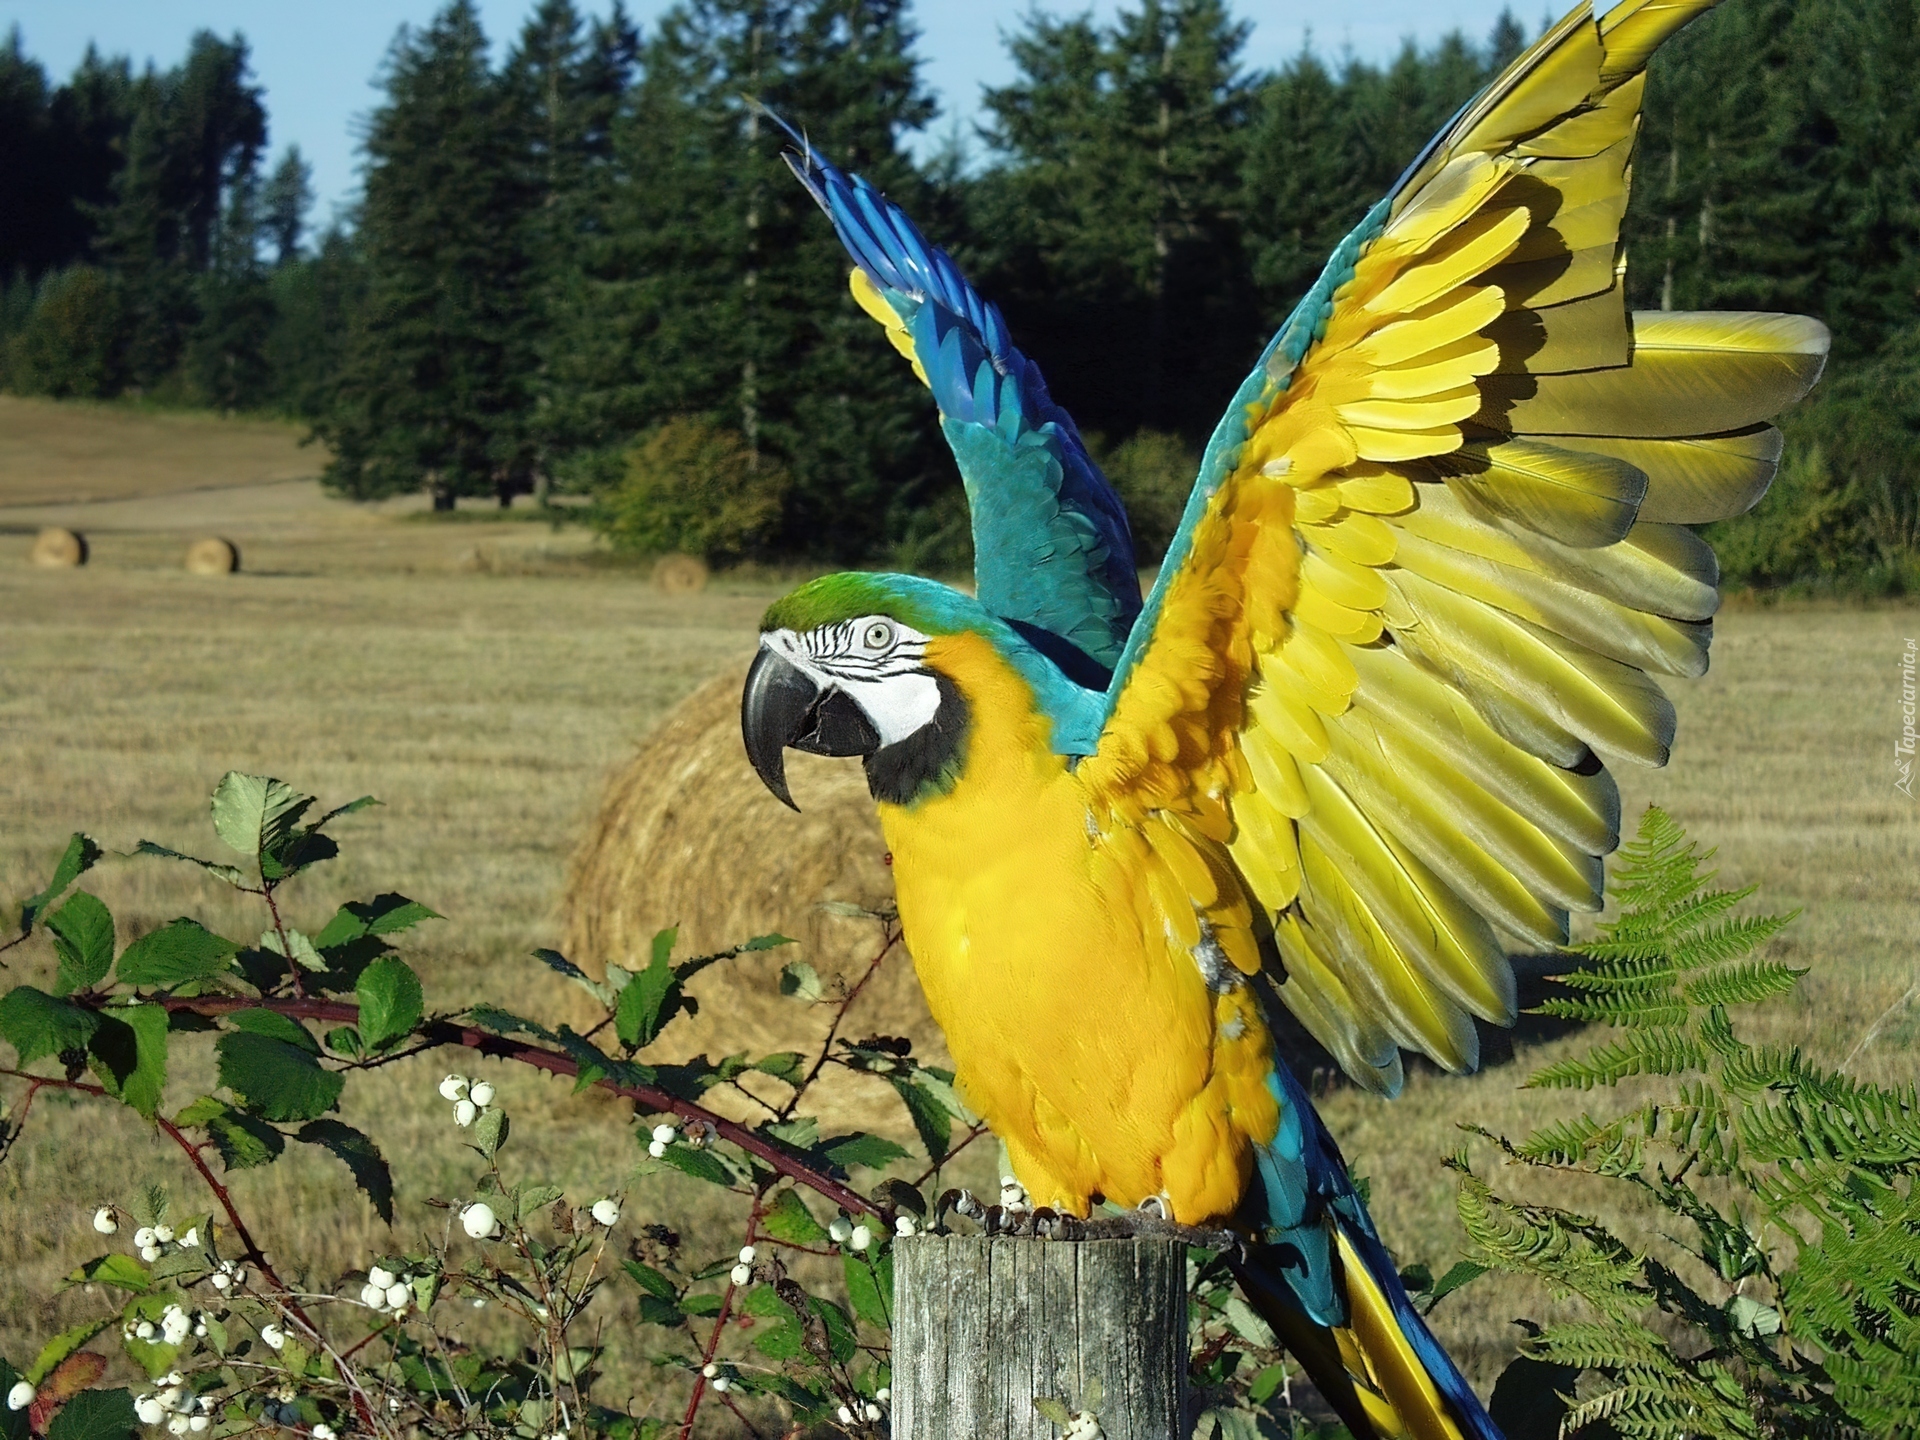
x: 1728, y: 941
x: 1591, y: 1345
x: 1666, y: 1050
x: 1747, y: 984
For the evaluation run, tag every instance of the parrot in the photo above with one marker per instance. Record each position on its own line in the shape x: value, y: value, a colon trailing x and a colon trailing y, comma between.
x: 1358, y: 737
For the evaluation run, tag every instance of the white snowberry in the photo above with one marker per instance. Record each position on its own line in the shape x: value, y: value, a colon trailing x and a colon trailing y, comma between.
x: 883, y: 1395
x: 464, y: 1113
x: 846, y: 1415
x: 722, y: 1384
x: 840, y: 1229
x: 903, y: 1225
x: 861, y: 1238
x: 323, y: 1432
x: 274, y: 1336
x: 150, y: 1410
x: 20, y: 1396
x: 379, y: 1278
x: 372, y: 1296
x: 398, y: 1295
x: 709, y: 1370
x: 481, y: 1094
x: 747, y: 1254
x: 607, y: 1212
x: 741, y: 1274
x: 873, y: 1412
x: 221, y: 1280
x: 656, y: 1148
x: 664, y: 1134
x: 477, y: 1220
x: 199, y: 1424
x: 191, y: 1240
x: 178, y: 1425
x: 144, y: 1330
x: 149, y: 1253
x: 105, y: 1221
x: 453, y: 1087
x: 143, y: 1237
x: 163, y: 1233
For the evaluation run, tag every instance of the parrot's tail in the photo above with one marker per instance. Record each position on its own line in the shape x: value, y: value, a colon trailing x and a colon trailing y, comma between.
x: 1381, y: 1369
x: 1323, y: 1280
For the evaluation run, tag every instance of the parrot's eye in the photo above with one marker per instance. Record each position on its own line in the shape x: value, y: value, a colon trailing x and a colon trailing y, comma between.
x: 877, y: 636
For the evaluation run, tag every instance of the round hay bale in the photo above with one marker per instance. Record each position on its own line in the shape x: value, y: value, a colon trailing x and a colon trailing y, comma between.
x: 213, y: 556
x: 679, y: 575
x: 58, y: 549
x: 688, y: 836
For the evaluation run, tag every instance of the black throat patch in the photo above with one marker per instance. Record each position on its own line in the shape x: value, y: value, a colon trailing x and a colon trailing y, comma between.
x: 927, y: 762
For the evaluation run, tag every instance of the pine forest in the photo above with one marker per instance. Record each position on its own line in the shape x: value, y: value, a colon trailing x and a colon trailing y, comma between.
x: 578, y: 267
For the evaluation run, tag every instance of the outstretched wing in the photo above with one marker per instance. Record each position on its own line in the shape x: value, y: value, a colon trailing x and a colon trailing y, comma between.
x: 1052, y: 551
x: 1437, y: 552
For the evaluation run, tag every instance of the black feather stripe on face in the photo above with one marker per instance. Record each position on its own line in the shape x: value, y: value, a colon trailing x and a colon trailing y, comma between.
x: 927, y: 762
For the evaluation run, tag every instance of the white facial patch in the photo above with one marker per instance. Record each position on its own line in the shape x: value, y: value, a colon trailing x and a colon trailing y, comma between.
x: 876, y: 661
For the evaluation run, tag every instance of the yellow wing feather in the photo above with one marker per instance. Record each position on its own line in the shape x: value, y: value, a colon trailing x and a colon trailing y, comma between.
x: 1421, y: 612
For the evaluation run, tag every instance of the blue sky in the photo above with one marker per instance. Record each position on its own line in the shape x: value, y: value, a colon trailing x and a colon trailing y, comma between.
x: 317, y: 61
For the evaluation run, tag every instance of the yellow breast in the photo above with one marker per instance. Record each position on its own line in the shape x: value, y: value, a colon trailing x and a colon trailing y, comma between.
x: 1070, y: 968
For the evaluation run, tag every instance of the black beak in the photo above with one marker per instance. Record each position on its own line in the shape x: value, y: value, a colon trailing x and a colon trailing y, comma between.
x: 782, y: 707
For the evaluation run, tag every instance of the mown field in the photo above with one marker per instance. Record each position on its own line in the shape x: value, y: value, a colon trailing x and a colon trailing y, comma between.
x: 483, y: 695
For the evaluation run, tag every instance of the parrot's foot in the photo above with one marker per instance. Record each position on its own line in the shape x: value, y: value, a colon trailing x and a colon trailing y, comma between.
x: 1018, y: 1221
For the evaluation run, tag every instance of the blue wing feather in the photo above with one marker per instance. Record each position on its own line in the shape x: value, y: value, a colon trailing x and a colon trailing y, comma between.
x: 1053, y: 554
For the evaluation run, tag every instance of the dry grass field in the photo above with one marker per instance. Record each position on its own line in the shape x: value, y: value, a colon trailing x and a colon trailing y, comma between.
x: 485, y: 694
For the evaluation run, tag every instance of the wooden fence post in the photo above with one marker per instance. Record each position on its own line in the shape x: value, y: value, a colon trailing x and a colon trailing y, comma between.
x: 982, y: 1328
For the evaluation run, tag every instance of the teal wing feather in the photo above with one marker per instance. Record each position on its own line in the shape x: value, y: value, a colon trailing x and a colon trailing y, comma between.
x: 1053, y: 554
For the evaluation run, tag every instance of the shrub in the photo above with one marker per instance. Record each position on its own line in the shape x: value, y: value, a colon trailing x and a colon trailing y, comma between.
x: 72, y: 341
x: 694, y: 486
x: 1153, y: 473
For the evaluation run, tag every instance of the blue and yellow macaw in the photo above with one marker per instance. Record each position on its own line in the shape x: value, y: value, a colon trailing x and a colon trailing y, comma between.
x: 1360, y: 728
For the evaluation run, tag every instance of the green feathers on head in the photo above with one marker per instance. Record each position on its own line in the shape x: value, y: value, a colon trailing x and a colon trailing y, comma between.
x: 926, y: 605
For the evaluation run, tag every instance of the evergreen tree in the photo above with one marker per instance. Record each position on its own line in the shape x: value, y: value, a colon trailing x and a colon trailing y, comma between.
x: 1116, y: 215
x: 284, y: 202
x: 715, y: 289
x: 316, y: 300
x: 430, y: 395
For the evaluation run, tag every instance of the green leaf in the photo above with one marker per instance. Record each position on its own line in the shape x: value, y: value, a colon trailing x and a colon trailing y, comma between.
x: 233, y: 875
x: 783, y: 1342
x: 841, y: 1341
x: 766, y: 942
x: 78, y: 858
x: 83, y: 935
x: 185, y: 950
x: 274, y: 1079
x: 655, y: 1311
x: 490, y: 1132
x: 1462, y: 1272
x: 37, y: 1025
x: 243, y: 1141
x: 801, y: 980
x: 254, y: 813
x: 533, y: 1199
x: 277, y: 1026
x: 504, y: 1022
x: 604, y: 993
x: 129, y: 1053
x: 930, y: 1118
x: 63, y: 1345
x: 13, y: 1423
x: 787, y: 1065
x: 846, y: 1151
x: 649, y: 1000
x: 701, y: 1304
x: 1266, y: 1383
x: 95, y: 1415
x: 787, y: 1218
x: 296, y: 947
x: 697, y: 1163
x: 1052, y: 1408
x: 389, y: 914
x: 651, y: 1280
x: 391, y: 1001
x: 123, y: 1272
x: 863, y: 1289
x: 345, y: 1040
x: 361, y: 1157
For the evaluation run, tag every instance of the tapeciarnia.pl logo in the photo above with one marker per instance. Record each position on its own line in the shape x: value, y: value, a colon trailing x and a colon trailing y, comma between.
x: 1903, y: 748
